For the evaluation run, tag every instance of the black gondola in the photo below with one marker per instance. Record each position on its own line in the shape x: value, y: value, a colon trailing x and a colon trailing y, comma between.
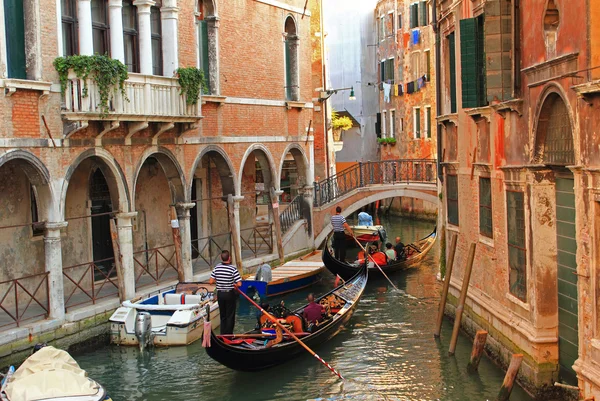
x: 251, y: 351
x: 417, y: 250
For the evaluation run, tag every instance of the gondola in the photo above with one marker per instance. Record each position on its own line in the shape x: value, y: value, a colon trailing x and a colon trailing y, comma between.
x: 253, y: 351
x: 417, y: 250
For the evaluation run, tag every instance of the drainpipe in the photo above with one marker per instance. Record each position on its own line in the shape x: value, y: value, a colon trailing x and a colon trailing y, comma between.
x: 438, y: 90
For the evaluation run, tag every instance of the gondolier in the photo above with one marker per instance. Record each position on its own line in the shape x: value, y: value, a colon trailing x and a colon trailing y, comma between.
x: 339, y: 237
x: 226, y: 276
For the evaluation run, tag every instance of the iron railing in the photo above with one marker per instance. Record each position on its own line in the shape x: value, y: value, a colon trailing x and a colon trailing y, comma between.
x: 374, y: 173
x: 153, y: 265
x: 206, y: 251
x: 257, y: 240
x: 90, y: 282
x: 26, y: 290
x: 296, y: 210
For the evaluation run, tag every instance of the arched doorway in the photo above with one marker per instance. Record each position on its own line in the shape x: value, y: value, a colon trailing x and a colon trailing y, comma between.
x: 293, y: 174
x: 158, y: 186
x: 213, y: 179
x: 554, y: 148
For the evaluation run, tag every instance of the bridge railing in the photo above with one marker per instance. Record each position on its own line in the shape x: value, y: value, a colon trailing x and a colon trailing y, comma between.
x: 298, y: 209
x: 374, y: 173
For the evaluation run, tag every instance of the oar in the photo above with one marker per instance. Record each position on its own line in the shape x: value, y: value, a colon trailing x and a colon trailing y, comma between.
x: 271, y: 318
x: 379, y: 267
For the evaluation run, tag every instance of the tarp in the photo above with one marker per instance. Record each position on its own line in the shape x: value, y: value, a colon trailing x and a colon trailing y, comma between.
x: 47, y: 374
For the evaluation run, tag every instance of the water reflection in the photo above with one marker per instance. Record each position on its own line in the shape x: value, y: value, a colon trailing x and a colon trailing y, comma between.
x: 387, y: 352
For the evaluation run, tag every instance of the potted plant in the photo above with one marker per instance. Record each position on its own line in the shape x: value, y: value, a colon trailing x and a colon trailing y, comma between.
x: 339, y: 124
x: 382, y: 141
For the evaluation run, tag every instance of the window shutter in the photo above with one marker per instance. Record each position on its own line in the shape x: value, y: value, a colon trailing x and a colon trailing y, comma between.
x: 382, y: 71
x: 378, y: 126
x: 468, y: 60
x: 498, y: 47
x: 414, y: 15
x: 417, y: 123
x: 422, y: 13
x: 203, y: 42
x: 288, y: 72
x: 428, y: 119
x: 452, y: 60
x: 14, y: 23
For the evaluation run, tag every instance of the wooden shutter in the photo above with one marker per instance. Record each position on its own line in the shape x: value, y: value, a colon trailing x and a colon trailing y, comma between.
x: 428, y: 121
x: 414, y: 15
x: 378, y: 126
x: 417, y: 123
x: 203, y: 32
x: 288, y: 72
x: 422, y: 13
x: 498, y: 48
x: 468, y: 60
x: 14, y: 23
x: 382, y: 71
x: 452, y: 61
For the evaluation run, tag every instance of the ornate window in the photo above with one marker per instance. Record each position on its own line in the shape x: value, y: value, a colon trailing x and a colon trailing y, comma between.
x: 551, y: 22
x: 554, y: 139
x: 515, y: 215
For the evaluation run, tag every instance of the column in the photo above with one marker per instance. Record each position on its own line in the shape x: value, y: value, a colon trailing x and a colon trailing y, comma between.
x: 212, y: 26
x: 183, y: 214
x: 53, y: 260
x: 144, y: 35
x: 84, y: 22
x: 236, y: 219
x: 308, y: 213
x: 169, y: 16
x: 117, y: 47
x: 125, y: 232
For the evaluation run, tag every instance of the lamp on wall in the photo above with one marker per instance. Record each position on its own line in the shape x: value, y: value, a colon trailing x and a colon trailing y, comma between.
x: 324, y: 95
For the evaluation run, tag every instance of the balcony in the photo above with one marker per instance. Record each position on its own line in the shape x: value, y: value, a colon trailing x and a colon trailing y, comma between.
x: 148, y: 98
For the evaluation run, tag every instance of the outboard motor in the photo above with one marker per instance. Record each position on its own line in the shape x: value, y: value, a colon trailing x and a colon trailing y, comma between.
x: 143, y: 329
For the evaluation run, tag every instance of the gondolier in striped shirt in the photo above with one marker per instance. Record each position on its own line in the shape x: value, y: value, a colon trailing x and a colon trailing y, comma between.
x: 226, y: 276
x: 339, y: 237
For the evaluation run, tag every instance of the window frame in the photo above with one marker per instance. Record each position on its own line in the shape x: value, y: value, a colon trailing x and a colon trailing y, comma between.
x: 134, y: 34
x: 384, y: 124
x: 427, y: 122
x: 520, y: 247
x: 417, y: 122
x: 482, y: 207
x: 392, y: 123
x: 71, y: 22
x: 454, y: 200
x: 157, y: 37
x: 103, y: 28
x: 415, y: 64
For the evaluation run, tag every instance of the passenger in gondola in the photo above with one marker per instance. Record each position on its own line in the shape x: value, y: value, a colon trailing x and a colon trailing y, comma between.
x: 390, y: 252
x: 313, y: 312
x: 400, y: 250
x: 360, y: 258
x: 377, y: 256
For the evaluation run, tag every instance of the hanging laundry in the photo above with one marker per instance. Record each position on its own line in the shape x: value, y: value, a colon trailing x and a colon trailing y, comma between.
x: 415, y: 36
x: 400, y: 87
x: 416, y: 85
x: 386, y: 92
x: 406, y: 39
x: 396, y: 90
x: 420, y: 83
x: 410, y: 87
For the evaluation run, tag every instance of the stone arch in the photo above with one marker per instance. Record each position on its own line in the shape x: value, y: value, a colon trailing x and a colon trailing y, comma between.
x: 38, y: 176
x: 170, y: 166
x: 290, y: 26
x: 267, y: 164
x: 111, y: 169
x: 554, y: 141
x: 224, y: 166
x: 302, y: 164
x: 207, y: 7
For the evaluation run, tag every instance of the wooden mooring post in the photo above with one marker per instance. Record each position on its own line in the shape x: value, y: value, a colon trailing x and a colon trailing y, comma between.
x: 235, y: 238
x: 277, y: 224
x: 477, y: 351
x: 114, y: 236
x: 463, y: 297
x: 438, y: 328
x: 509, y: 378
x: 177, y: 244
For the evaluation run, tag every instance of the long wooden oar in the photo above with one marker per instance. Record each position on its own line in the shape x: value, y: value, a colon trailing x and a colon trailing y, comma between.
x: 373, y: 260
x: 274, y: 320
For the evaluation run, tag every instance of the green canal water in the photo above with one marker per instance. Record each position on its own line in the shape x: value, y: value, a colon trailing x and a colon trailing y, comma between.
x: 387, y: 351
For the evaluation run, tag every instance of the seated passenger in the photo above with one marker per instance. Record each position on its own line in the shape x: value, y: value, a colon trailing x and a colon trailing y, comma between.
x: 313, y: 312
x: 400, y: 249
x: 390, y: 252
x: 360, y: 258
x: 375, y: 255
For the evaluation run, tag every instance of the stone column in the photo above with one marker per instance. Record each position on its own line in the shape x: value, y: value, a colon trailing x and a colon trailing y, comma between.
x: 236, y: 219
x: 308, y: 213
x: 125, y: 232
x: 212, y: 26
x: 84, y: 22
x: 53, y: 260
x: 169, y: 16
x: 183, y: 214
x: 293, y: 44
x: 117, y: 47
x: 144, y: 35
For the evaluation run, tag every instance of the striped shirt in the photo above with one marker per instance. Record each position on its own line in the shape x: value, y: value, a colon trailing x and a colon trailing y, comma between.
x: 337, y: 221
x: 225, y: 276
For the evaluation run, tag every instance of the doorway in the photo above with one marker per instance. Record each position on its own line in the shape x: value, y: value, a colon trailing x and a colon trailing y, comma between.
x: 101, y: 239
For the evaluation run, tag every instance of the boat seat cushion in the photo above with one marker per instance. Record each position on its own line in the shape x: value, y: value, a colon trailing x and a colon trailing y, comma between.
x: 182, y: 299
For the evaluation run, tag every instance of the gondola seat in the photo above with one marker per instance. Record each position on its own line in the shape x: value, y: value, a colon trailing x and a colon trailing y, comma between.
x: 182, y: 299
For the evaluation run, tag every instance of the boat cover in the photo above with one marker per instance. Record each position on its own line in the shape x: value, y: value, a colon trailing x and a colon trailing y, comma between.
x: 47, y: 374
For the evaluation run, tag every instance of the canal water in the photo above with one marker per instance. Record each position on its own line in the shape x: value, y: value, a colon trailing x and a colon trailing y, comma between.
x: 387, y: 352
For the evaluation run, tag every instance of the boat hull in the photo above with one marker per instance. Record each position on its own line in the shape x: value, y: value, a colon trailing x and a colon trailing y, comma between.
x: 278, y: 288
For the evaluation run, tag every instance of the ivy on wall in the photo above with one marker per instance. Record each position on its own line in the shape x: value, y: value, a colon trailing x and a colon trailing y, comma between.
x: 191, y: 81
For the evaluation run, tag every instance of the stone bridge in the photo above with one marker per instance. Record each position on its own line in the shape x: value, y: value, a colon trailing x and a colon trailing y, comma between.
x: 369, y: 182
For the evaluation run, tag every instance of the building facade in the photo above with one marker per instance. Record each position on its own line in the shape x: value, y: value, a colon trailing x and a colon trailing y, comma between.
x: 70, y: 164
x: 519, y: 110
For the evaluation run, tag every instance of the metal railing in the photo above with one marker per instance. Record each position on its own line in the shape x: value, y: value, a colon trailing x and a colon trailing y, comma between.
x: 90, y: 282
x: 206, y: 252
x: 373, y: 173
x: 26, y: 290
x: 296, y: 210
x: 154, y: 265
x: 257, y: 240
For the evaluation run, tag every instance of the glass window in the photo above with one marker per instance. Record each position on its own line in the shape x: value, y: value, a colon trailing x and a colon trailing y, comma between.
x: 130, y: 36
x: 452, y: 198
x: 157, y: 65
x: 392, y: 124
x: 417, y: 122
x: 69, y: 27
x: 383, y: 124
x: 428, y: 122
x: 485, y: 207
x: 515, y: 215
x: 100, y: 27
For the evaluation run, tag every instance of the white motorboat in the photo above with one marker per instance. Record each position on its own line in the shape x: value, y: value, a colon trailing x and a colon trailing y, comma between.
x: 174, y: 316
x: 53, y: 375
x: 368, y: 233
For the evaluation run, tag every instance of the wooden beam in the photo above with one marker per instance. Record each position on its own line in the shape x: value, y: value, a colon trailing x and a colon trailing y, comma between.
x: 274, y: 206
x: 509, y: 379
x: 477, y: 351
x: 177, y: 244
x: 235, y: 239
x: 442, y: 308
x: 463, y: 297
x: 114, y: 236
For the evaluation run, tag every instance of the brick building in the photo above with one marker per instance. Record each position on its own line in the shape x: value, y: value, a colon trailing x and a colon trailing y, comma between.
x: 407, y: 96
x: 71, y: 167
x: 519, y: 91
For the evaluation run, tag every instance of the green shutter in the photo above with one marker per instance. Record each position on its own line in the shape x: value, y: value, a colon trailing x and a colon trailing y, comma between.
x: 498, y: 49
x: 428, y: 117
x: 14, y: 25
x: 382, y: 71
x: 468, y: 60
x: 288, y: 72
x: 414, y: 15
x: 203, y: 32
x: 418, y: 123
x: 452, y: 58
x: 422, y: 13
